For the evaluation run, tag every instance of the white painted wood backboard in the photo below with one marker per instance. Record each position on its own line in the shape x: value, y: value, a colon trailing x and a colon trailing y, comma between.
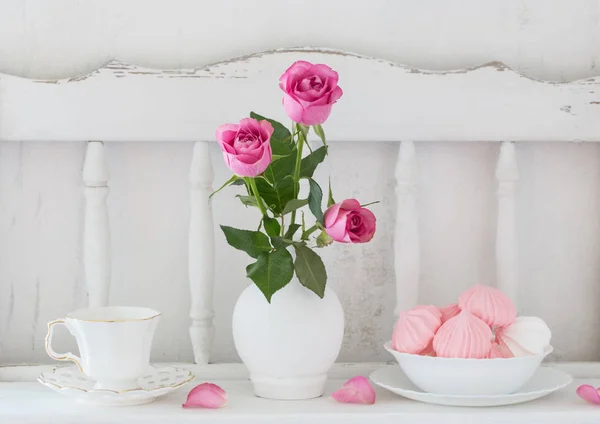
x: 388, y: 107
x: 382, y: 102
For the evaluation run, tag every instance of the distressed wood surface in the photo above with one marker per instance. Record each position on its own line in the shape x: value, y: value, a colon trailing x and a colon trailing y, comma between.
x: 201, y: 254
x: 123, y: 102
x: 32, y: 403
x: 507, y: 270
x: 28, y: 373
x: 407, y: 254
x: 96, y: 233
x: 42, y: 214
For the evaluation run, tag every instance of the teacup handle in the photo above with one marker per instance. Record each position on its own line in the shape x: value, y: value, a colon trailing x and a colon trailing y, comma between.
x: 59, y: 356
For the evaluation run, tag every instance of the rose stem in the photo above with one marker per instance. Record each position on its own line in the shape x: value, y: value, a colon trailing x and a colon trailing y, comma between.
x: 297, y: 170
x: 259, y: 202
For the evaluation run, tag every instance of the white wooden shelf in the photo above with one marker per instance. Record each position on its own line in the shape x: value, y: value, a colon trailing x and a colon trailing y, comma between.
x: 30, y: 402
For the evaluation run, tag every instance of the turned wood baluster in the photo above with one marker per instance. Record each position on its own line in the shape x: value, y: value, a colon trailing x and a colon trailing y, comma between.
x: 406, y: 240
x: 201, y: 254
x: 96, y: 231
x: 507, y: 174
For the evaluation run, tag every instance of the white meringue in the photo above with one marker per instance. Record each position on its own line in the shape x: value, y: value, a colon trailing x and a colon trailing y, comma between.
x: 525, y: 336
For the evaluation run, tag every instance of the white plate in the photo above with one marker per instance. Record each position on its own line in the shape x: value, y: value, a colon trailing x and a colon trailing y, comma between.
x: 71, y: 382
x: 545, y: 381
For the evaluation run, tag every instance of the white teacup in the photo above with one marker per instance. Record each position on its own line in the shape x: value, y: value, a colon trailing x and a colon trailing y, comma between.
x: 114, y: 343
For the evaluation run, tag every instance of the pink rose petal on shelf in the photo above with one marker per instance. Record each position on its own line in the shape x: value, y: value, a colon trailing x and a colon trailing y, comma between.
x: 206, y: 395
x: 589, y: 393
x: 356, y: 390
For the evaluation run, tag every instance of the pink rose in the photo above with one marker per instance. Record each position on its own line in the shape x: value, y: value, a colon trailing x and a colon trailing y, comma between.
x: 310, y: 92
x: 347, y: 222
x: 246, y: 147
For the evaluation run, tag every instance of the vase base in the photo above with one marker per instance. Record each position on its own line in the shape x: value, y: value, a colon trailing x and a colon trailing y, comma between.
x: 292, y: 388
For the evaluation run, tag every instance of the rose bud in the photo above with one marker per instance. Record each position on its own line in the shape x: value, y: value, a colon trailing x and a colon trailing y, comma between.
x: 348, y: 222
x: 246, y: 146
x: 310, y: 92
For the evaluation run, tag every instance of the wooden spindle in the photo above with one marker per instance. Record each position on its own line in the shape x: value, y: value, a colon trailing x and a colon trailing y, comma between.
x: 507, y: 174
x: 96, y: 231
x: 406, y: 241
x: 201, y: 254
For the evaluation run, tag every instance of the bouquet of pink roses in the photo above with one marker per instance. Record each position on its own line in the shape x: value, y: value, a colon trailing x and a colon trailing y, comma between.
x: 268, y: 160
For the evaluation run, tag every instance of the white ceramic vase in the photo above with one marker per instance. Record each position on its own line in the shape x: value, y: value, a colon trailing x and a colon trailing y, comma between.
x: 290, y: 344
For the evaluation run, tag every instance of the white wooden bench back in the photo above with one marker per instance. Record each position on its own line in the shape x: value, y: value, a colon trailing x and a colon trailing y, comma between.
x: 383, y: 102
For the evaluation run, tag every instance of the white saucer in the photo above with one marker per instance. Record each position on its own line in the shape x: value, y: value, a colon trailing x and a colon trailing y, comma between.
x: 158, y: 382
x: 545, y: 381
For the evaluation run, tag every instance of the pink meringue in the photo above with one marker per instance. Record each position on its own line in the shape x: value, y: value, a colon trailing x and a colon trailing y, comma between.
x: 449, y: 312
x: 463, y: 336
x: 415, y: 329
x: 489, y: 304
x: 525, y: 336
x: 499, y: 351
x: 428, y: 351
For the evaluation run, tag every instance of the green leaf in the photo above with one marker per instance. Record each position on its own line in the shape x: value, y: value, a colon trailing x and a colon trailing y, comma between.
x: 248, y: 200
x: 330, y: 201
x: 280, y: 168
x: 230, y: 181
x: 278, y: 195
x: 271, y: 226
x: 252, y: 242
x: 315, y: 197
x: 289, y: 234
x: 294, y: 204
x: 281, y: 140
x: 310, y: 270
x: 310, y: 162
x: 272, y: 271
x: 238, y: 182
x: 280, y: 242
x: 319, y: 131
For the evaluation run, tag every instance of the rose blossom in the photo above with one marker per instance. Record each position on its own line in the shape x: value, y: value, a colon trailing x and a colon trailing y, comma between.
x: 347, y: 222
x: 246, y: 146
x: 310, y: 92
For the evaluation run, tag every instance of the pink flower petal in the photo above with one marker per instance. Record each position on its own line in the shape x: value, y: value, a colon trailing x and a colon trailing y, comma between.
x: 293, y: 108
x: 356, y: 390
x: 206, y: 395
x: 587, y: 392
x: 292, y: 73
x: 350, y: 204
x: 267, y: 129
x: 316, y: 114
x: 337, y: 230
x: 331, y: 214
